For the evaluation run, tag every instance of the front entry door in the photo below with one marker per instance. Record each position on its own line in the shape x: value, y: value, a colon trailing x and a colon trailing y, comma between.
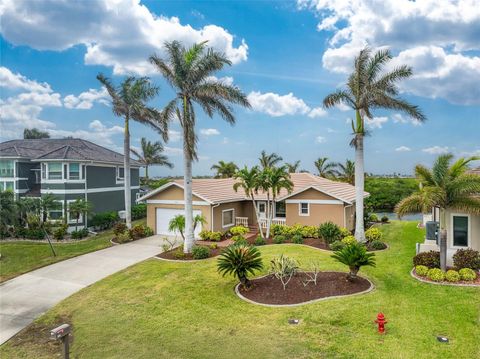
x: 262, y: 209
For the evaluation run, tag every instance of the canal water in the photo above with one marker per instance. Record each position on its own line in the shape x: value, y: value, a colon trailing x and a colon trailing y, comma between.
x: 393, y: 216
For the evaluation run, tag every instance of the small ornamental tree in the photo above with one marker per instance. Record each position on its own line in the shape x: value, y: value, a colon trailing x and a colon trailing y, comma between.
x: 354, y: 256
x: 240, y: 260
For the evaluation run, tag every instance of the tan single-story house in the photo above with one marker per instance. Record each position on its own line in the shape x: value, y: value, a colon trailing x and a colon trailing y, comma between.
x: 463, y: 230
x: 313, y: 200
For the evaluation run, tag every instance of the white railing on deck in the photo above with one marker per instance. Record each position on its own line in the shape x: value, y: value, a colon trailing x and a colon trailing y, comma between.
x: 241, y: 221
x: 263, y: 221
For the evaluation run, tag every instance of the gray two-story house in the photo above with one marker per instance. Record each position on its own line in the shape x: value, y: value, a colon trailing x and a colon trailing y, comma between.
x: 69, y: 169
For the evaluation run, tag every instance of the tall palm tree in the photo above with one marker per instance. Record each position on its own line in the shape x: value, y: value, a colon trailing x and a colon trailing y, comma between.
x: 368, y: 88
x: 269, y: 160
x: 224, y: 169
x: 293, y: 167
x: 129, y: 100
x: 152, y: 154
x: 79, y: 208
x: 48, y: 202
x: 325, y: 169
x: 34, y: 133
x: 444, y: 186
x: 346, y: 172
x: 190, y: 71
x: 248, y: 179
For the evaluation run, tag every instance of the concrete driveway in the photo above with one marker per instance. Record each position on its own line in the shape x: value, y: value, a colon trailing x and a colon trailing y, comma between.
x: 26, y: 297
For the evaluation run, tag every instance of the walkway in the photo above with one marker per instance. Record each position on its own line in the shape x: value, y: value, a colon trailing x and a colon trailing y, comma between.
x: 26, y: 297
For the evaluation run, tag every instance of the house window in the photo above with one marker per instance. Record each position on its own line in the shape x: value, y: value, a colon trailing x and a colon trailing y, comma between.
x: 120, y: 173
x: 228, y: 217
x: 6, y: 186
x: 54, y: 171
x: 74, y: 171
x: 304, y: 209
x: 280, y: 209
x: 460, y: 231
x: 56, y: 214
x: 7, y: 168
x: 44, y: 170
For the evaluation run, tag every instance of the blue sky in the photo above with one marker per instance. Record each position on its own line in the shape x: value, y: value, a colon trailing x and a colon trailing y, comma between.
x: 286, y: 56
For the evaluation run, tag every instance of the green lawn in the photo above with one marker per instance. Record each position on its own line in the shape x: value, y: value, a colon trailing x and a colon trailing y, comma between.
x: 21, y: 257
x: 160, y: 309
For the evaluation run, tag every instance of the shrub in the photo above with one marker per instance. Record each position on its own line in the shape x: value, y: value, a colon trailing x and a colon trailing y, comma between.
x: 104, y: 220
x: 20, y: 232
x: 329, y: 231
x: 283, y: 268
x: 237, y: 238
x: 200, y: 252
x: 240, y: 260
x: 138, y: 231
x: 467, y: 258
x: 349, y: 240
x: 60, y: 232
x: 354, y: 256
x: 259, y: 241
x: 123, y: 237
x: 238, y: 230
x: 148, y: 231
x: 277, y: 229
x: 337, y: 245
x: 429, y: 259
x: 295, y: 230
x: 81, y: 233
x: 467, y: 274
x: 35, y: 233
x: 373, y: 234
x: 242, y: 241
x: 279, y: 239
x: 344, y: 232
x: 179, y: 254
x: 210, y: 236
x: 385, y: 219
x: 452, y: 276
x: 119, y: 227
x: 309, y: 232
x: 421, y: 270
x: 213, y: 246
x: 139, y: 211
x: 373, y: 218
x: 435, y: 274
x: 377, y: 245
x: 297, y: 238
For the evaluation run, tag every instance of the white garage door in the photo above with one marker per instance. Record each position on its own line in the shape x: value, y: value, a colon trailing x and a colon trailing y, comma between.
x: 164, y: 215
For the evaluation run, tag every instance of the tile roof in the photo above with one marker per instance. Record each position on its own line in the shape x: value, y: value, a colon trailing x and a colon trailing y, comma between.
x: 221, y: 190
x: 64, y: 149
x: 475, y: 171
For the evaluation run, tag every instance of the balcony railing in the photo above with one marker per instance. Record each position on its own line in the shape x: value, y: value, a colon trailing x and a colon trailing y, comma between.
x: 277, y: 220
x: 241, y: 221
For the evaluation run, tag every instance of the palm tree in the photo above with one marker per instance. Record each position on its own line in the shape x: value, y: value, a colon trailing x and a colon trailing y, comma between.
x: 248, y: 179
x: 444, y: 186
x: 269, y: 160
x: 34, y: 133
x: 152, y: 154
x: 354, y: 256
x: 48, y: 202
x: 129, y: 101
x: 79, y: 208
x: 325, y: 169
x: 346, y: 172
x: 293, y: 167
x: 189, y: 71
x: 224, y: 169
x: 369, y: 88
x: 177, y: 224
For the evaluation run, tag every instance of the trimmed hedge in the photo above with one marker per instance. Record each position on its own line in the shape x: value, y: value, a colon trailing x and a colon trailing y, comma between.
x: 467, y: 258
x: 429, y: 259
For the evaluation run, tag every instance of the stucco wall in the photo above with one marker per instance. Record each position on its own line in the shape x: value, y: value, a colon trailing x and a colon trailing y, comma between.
x: 474, y: 229
x: 239, y: 211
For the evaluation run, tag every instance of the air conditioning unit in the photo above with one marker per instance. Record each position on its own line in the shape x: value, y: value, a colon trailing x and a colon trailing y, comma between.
x: 431, y: 230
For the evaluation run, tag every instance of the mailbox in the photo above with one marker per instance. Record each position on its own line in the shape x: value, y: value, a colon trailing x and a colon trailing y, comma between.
x: 60, y: 332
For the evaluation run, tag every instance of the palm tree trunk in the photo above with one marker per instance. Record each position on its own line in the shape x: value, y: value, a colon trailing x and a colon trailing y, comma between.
x: 187, y: 248
x: 269, y: 221
x: 443, y: 241
x: 126, y: 175
x: 257, y: 215
x: 146, y: 172
x: 359, y: 187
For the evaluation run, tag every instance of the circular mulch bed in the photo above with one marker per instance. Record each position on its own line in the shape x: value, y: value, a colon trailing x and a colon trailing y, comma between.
x: 462, y: 283
x: 170, y: 255
x: 268, y: 290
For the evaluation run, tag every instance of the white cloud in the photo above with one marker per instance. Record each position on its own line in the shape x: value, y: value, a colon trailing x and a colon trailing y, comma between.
x: 331, y: 130
x: 376, y: 122
x: 399, y: 118
x: 86, y: 99
x: 227, y: 80
x: 342, y: 107
x: 320, y: 139
x: 173, y: 151
x: 19, y: 82
x: 174, y: 136
x: 209, y: 131
x: 403, y: 149
x: 439, y: 39
x: 436, y: 150
x: 121, y: 34
x: 282, y: 105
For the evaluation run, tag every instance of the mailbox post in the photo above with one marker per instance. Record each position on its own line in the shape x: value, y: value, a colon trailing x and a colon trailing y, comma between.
x: 62, y: 333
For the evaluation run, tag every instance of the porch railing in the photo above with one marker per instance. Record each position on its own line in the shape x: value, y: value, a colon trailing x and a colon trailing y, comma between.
x: 241, y: 221
x: 277, y: 220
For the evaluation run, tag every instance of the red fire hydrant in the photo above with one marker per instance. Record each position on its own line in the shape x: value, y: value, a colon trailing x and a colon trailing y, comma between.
x: 381, y: 323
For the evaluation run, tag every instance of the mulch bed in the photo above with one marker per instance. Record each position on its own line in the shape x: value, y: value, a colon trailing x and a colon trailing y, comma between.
x: 269, y: 290
x: 473, y: 283
x: 170, y: 255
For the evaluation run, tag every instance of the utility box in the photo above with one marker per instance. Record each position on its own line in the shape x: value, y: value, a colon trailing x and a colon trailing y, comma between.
x: 431, y: 228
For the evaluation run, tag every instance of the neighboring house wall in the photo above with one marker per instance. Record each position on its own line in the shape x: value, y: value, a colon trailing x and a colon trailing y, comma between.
x: 350, y: 216
x: 322, y: 208
x: 473, y: 230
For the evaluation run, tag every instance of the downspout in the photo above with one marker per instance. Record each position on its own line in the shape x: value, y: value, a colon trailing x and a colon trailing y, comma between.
x: 211, y: 215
